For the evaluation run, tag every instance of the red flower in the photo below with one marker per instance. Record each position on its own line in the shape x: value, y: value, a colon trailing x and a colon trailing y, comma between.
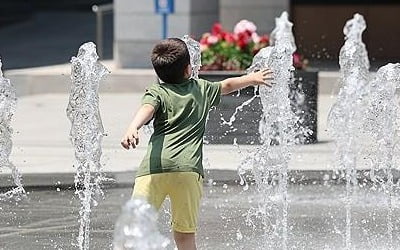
x: 264, y: 39
x: 243, y: 39
x: 212, y: 39
x: 204, y: 39
x: 229, y: 37
x: 297, y: 63
x: 217, y: 29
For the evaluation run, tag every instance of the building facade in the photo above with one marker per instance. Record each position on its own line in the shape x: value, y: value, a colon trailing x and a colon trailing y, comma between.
x: 318, y: 25
x: 137, y: 28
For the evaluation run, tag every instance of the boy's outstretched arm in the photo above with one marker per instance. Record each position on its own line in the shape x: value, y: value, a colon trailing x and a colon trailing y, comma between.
x: 143, y: 115
x: 262, y: 77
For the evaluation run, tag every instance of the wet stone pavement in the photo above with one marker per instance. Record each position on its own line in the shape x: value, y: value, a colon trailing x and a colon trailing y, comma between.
x: 47, y: 219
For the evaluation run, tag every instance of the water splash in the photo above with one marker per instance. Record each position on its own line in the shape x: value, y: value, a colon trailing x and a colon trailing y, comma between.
x: 195, y: 55
x: 345, y: 116
x: 136, y: 228
x: 381, y: 121
x: 86, y: 133
x: 148, y: 129
x: 278, y: 129
x: 8, y: 101
x: 238, y: 109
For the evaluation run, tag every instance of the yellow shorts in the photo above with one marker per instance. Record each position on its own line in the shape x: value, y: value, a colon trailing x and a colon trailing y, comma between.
x: 184, y: 189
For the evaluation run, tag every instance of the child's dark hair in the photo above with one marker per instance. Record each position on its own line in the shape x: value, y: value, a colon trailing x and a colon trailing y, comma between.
x: 170, y: 58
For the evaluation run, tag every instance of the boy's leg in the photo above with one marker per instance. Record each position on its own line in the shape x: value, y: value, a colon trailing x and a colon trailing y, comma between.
x: 151, y: 188
x: 185, y: 241
x: 185, y: 191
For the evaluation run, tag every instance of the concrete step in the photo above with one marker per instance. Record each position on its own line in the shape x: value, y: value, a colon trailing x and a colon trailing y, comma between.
x: 55, y: 79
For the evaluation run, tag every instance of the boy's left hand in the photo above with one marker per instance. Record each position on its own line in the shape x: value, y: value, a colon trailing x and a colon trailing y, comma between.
x: 263, y: 77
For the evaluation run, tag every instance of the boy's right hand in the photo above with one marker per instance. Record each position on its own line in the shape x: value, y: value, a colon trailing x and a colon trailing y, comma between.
x: 143, y: 115
x: 131, y: 138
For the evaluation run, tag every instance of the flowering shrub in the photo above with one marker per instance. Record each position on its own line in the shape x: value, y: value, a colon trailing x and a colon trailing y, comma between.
x: 223, y: 50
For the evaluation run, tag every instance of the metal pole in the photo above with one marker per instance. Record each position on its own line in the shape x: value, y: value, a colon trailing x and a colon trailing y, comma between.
x: 100, y: 10
x: 99, y: 34
x: 164, y: 25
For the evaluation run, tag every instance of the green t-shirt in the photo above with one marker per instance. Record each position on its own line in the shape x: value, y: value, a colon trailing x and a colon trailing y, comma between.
x: 179, y: 123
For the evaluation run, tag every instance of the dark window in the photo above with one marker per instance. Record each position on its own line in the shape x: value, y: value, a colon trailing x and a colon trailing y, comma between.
x: 330, y: 2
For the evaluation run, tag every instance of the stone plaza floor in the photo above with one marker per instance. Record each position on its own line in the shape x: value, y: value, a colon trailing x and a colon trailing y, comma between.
x: 48, y: 219
x: 41, y: 139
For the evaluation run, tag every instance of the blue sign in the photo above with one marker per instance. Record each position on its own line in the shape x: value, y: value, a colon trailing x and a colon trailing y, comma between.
x: 164, y: 6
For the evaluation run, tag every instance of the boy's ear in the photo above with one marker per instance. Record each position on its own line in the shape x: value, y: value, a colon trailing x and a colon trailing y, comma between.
x: 188, y: 70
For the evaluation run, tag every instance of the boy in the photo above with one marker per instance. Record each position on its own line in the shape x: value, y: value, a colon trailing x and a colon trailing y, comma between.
x: 179, y: 106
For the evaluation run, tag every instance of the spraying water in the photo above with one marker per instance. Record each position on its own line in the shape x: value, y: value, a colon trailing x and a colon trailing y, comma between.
x: 86, y: 133
x: 8, y: 102
x: 381, y: 121
x: 195, y: 55
x: 136, y: 228
x: 278, y: 128
x: 344, y: 120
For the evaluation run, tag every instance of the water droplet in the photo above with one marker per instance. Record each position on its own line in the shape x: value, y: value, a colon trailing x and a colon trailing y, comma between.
x: 239, y: 235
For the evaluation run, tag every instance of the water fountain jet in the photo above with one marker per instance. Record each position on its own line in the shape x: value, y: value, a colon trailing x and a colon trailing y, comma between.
x: 278, y: 129
x: 8, y: 102
x: 347, y: 112
x: 381, y: 121
x: 86, y: 133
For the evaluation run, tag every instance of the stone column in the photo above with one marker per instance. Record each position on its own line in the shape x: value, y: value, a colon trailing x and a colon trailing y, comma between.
x: 137, y: 28
x: 261, y: 12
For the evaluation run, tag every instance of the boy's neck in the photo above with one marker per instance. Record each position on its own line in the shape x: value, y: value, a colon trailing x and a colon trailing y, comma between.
x: 185, y: 79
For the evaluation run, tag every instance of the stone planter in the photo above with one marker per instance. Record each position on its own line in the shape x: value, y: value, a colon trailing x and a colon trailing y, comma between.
x: 245, y: 127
